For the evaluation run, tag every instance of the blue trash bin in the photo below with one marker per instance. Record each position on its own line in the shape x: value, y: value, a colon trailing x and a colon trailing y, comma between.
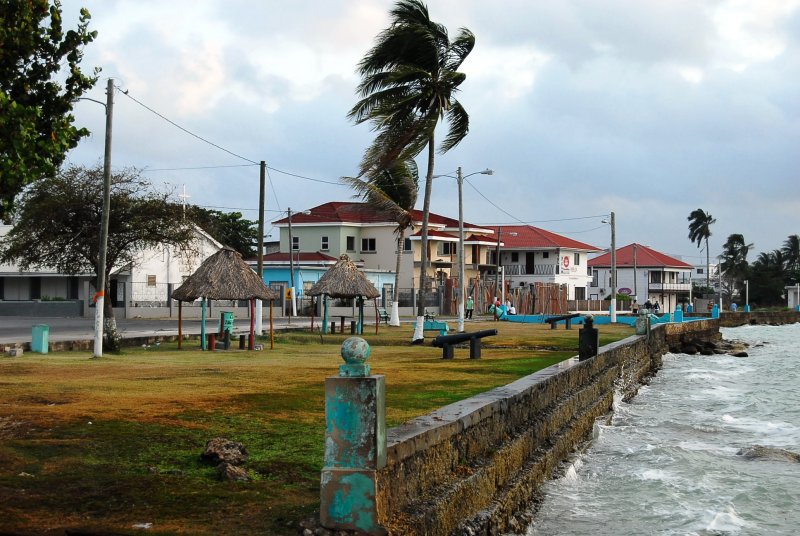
x: 40, y: 338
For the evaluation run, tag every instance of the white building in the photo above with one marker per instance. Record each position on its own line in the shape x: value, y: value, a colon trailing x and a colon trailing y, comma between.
x: 644, y: 274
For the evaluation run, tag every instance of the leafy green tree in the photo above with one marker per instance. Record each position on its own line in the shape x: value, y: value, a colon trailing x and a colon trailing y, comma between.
x: 40, y: 78
x: 58, y: 225
x: 699, y: 230
x: 393, y: 192
x: 408, y: 84
x: 228, y: 228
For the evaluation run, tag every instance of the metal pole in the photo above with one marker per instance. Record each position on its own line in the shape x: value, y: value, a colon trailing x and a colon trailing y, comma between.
x: 461, y: 281
x: 291, y: 266
x: 635, y: 267
x: 497, y: 264
x: 613, y: 269
x: 747, y: 294
x: 101, y: 263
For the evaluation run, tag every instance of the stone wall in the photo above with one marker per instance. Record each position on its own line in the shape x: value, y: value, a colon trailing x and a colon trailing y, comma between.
x: 475, y: 466
x: 732, y: 320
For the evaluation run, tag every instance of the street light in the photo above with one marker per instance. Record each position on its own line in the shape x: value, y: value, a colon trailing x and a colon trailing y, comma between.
x: 101, y: 262
x: 613, y: 312
x: 460, y: 179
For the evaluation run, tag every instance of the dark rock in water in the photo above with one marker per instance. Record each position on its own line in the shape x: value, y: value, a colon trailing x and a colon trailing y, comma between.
x: 221, y: 450
x: 675, y: 349
x: 707, y: 351
x: 760, y: 452
x: 741, y: 354
x: 232, y: 473
x: 689, y: 349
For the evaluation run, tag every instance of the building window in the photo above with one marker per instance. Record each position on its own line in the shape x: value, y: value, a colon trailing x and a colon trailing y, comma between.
x: 447, y: 248
x: 595, y: 278
x: 407, y: 244
x: 514, y: 256
x: 151, y: 280
x: 324, y: 245
x: 700, y: 271
x: 351, y: 243
x: 545, y: 254
x: 576, y: 259
x: 295, y: 243
x: 368, y: 245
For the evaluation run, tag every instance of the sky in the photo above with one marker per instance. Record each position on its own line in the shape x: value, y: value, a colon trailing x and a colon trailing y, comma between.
x: 650, y: 109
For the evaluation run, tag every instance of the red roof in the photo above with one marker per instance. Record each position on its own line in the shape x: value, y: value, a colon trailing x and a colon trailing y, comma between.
x: 645, y: 258
x: 356, y: 212
x: 299, y: 256
x: 433, y: 233
x: 529, y: 237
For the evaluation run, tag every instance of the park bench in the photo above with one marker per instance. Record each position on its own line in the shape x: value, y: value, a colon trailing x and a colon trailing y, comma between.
x: 433, y: 325
x: 384, y: 316
x: 446, y: 342
x: 553, y: 320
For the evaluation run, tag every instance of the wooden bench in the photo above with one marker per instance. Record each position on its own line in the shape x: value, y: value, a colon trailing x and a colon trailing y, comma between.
x: 446, y: 342
x: 384, y: 316
x: 553, y: 320
x: 433, y: 325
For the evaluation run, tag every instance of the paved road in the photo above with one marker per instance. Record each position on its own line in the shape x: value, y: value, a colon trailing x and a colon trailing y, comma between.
x: 17, y: 329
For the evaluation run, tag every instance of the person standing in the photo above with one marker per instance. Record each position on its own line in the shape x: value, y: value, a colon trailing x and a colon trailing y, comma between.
x: 470, y: 307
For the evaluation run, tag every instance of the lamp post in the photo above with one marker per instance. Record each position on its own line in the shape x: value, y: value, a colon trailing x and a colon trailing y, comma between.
x: 101, y: 262
x: 461, y: 280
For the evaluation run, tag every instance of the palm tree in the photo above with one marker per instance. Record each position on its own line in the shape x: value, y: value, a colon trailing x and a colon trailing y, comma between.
x: 791, y: 254
x: 392, y: 192
x: 699, y: 230
x: 734, y: 259
x: 409, y: 79
x: 767, y: 278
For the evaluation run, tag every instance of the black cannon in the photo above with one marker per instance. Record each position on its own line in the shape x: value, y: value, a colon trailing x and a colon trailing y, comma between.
x: 553, y: 320
x: 446, y: 342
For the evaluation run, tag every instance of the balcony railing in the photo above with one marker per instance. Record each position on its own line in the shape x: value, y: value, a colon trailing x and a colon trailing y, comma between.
x: 674, y: 287
x: 538, y: 269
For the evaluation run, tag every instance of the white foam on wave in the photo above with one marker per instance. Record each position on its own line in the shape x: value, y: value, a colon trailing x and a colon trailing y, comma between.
x: 728, y: 418
x: 727, y: 521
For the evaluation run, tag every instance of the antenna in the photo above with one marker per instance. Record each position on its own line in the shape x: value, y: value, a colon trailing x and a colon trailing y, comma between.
x: 184, y: 196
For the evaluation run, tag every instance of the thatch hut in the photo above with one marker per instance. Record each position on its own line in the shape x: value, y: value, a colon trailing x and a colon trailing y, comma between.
x: 223, y: 276
x: 344, y: 280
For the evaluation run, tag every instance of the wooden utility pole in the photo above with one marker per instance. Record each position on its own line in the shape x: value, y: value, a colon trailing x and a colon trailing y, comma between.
x: 101, y: 262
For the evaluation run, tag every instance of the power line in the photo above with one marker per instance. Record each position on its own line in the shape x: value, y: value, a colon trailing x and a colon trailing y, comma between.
x: 173, y: 123
x: 148, y: 170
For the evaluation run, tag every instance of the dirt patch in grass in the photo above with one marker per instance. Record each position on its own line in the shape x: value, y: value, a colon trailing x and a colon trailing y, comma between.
x: 113, y: 443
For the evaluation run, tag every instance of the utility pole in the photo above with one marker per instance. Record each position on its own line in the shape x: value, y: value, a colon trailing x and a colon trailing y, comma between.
x: 461, y: 282
x: 101, y: 263
x: 291, y: 266
x: 613, y: 269
x: 261, y: 202
x: 635, y: 268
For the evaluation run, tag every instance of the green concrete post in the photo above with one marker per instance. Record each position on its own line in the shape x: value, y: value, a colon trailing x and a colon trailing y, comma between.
x: 325, y: 314
x: 355, y: 443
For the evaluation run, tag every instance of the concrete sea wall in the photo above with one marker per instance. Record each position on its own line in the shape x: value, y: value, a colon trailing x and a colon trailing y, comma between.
x: 475, y: 466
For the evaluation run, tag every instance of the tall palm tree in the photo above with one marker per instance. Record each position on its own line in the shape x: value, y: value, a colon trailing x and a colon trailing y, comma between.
x: 409, y: 79
x: 393, y: 192
x: 791, y: 254
x: 767, y: 278
x: 700, y: 229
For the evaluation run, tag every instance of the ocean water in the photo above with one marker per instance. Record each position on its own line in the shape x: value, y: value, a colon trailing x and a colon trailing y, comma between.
x: 668, y: 462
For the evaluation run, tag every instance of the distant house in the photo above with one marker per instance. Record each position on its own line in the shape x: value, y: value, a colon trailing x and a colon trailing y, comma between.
x: 146, y: 282
x: 529, y: 254
x: 644, y: 274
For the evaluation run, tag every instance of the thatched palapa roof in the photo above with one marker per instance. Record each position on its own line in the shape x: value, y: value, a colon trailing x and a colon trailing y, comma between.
x: 344, y: 280
x: 224, y: 276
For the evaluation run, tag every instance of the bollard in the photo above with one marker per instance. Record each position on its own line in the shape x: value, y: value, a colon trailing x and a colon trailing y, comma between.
x: 588, y: 339
x: 40, y: 338
x: 641, y: 323
x: 678, y: 314
x: 715, y: 311
x: 241, y: 342
x: 355, y: 443
x: 352, y: 327
x: 212, y: 342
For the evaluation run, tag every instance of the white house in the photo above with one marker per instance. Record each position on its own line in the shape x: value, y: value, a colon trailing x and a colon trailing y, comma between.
x: 644, y: 274
x: 145, y: 282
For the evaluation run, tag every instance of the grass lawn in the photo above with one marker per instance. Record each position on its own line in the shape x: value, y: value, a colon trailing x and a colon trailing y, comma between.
x: 114, y: 443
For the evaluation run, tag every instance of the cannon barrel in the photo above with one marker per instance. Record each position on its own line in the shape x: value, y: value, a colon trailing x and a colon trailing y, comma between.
x: 456, y: 338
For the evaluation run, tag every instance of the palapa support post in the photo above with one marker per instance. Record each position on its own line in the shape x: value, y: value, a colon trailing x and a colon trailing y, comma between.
x: 355, y: 443
x: 324, y: 314
x: 203, y: 324
x: 180, y: 324
x: 252, y: 342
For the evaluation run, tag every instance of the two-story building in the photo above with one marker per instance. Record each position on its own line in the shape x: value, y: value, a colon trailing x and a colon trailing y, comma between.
x: 370, y: 239
x: 529, y: 255
x: 644, y: 274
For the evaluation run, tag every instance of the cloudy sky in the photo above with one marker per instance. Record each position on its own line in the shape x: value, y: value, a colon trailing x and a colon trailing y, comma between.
x: 650, y: 109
